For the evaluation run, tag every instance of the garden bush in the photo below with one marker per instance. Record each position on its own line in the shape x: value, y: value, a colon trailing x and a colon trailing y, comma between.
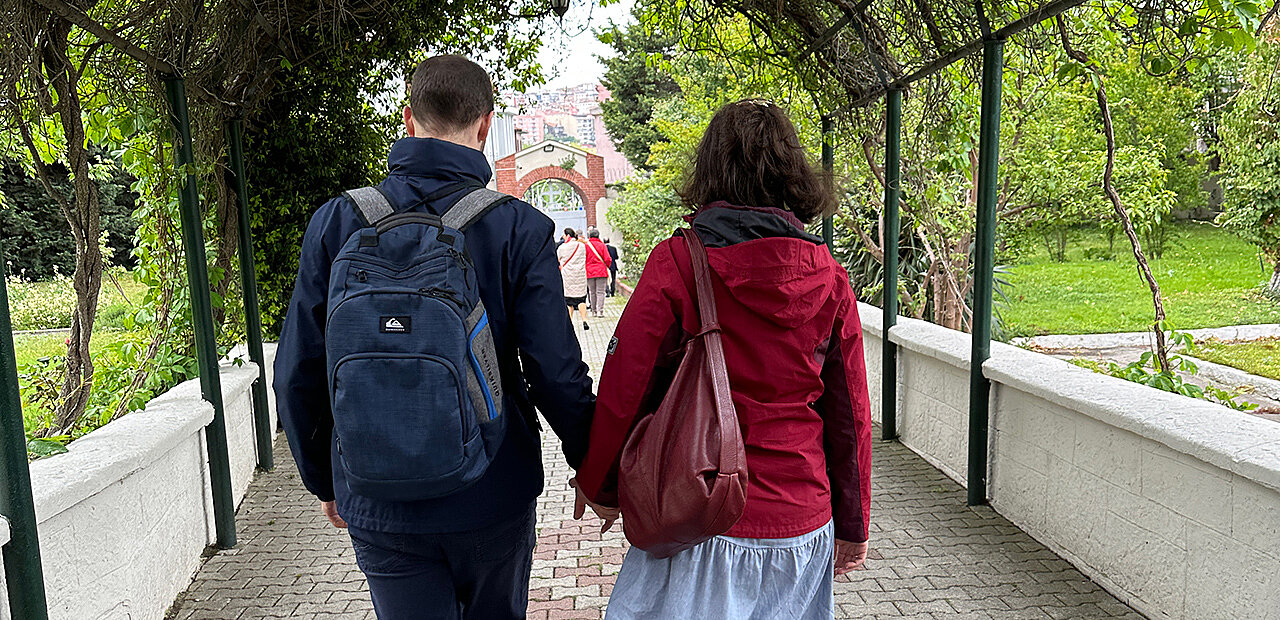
x: 40, y: 305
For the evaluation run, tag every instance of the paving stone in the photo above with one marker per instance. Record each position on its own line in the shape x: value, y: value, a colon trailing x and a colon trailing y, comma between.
x: 931, y: 557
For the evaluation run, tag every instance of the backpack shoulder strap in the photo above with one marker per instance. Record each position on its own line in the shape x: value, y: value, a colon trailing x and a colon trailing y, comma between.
x: 471, y: 207
x: 370, y: 203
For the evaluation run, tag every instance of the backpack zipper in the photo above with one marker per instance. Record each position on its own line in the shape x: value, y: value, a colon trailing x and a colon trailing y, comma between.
x: 439, y: 293
x: 462, y: 259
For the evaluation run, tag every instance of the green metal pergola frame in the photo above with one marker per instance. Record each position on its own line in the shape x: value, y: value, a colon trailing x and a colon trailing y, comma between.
x: 992, y: 47
x: 23, y: 571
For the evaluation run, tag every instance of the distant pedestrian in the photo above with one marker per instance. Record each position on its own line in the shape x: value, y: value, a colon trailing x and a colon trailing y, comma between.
x: 573, y: 272
x: 598, y: 263
x: 613, y: 268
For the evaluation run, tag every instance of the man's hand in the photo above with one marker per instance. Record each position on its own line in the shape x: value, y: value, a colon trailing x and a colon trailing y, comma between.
x: 580, y: 503
x: 850, y: 556
x: 330, y: 510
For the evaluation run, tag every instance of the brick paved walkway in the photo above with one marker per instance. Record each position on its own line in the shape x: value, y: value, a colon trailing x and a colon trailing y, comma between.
x: 932, y: 557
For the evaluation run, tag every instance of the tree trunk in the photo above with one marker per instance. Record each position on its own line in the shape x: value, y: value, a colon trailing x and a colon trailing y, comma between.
x: 227, y: 247
x: 1273, y: 287
x: 84, y: 219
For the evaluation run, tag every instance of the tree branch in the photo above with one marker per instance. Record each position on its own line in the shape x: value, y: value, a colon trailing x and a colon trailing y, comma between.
x: 1162, y: 353
x: 81, y: 19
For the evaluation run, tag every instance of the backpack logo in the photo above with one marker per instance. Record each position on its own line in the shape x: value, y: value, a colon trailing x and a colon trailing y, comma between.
x: 395, y: 324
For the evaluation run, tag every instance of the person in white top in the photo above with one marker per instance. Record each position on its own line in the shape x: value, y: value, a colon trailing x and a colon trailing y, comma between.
x: 573, y: 272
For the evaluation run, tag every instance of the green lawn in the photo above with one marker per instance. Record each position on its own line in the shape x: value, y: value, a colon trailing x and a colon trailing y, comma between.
x: 1209, y: 277
x: 30, y: 348
x: 1260, y: 357
x: 44, y: 305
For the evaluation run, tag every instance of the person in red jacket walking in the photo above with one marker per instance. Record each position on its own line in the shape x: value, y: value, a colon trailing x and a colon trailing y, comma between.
x: 598, y: 262
x: 793, y: 350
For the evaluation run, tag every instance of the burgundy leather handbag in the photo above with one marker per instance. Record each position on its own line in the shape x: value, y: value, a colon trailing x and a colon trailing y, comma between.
x: 683, y: 476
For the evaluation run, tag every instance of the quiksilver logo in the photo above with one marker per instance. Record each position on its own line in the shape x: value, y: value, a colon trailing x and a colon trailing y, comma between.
x: 395, y: 324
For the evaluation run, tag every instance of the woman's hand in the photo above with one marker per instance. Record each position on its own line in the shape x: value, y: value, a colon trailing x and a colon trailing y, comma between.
x: 580, y: 503
x: 330, y: 510
x: 850, y: 556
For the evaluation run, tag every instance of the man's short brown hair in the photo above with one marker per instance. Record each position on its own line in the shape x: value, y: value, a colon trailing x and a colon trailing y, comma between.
x: 449, y: 93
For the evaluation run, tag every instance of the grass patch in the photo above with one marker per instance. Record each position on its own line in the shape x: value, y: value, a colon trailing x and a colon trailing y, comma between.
x: 30, y: 348
x: 1258, y: 357
x: 1209, y: 278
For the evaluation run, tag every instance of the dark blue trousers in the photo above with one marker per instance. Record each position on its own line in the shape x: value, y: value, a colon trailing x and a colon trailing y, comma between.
x: 475, y: 575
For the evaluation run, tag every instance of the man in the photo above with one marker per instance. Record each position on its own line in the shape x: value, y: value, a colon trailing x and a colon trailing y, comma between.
x: 613, y: 267
x: 467, y: 554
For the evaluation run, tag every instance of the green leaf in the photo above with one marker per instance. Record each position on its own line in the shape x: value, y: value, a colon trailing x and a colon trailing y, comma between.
x: 42, y: 447
x: 1189, y: 26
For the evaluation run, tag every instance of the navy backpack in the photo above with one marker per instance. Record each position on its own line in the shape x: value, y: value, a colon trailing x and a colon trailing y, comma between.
x: 413, y: 373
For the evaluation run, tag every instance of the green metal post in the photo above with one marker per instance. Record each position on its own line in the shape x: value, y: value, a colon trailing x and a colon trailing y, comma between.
x: 224, y: 512
x: 892, y: 225
x: 983, y: 265
x: 828, y: 167
x: 22, y: 570
x: 249, y: 282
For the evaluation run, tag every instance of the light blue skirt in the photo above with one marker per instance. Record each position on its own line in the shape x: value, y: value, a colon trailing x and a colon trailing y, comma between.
x: 732, y: 578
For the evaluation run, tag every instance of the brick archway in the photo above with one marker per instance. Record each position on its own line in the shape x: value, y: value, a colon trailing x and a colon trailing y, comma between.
x: 517, y: 172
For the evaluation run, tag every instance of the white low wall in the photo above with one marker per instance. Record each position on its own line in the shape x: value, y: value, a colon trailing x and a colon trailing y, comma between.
x: 125, y: 514
x: 1171, y: 503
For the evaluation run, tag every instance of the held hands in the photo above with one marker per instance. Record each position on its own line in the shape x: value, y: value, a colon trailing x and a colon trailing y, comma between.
x: 580, y: 503
x: 330, y: 510
x: 850, y: 556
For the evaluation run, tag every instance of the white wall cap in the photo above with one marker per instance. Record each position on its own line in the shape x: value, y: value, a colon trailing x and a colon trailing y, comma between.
x: 1237, y: 442
x: 113, y: 452
x: 872, y: 319
x: 935, y: 341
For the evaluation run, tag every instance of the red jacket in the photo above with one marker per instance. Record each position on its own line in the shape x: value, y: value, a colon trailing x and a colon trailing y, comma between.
x: 597, y: 266
x: 793, y: 348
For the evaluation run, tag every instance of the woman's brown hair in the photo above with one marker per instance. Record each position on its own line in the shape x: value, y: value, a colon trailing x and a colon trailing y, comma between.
x: 751, y: 156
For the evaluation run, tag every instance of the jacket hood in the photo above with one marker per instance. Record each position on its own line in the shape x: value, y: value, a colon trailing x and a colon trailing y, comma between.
x: 768, y: 263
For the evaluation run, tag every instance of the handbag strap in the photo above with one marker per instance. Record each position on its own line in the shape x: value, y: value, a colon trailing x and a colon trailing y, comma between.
x: 566, y: 261
x: 594, y: 250
x: 730, y: 433
x: 705, y: 296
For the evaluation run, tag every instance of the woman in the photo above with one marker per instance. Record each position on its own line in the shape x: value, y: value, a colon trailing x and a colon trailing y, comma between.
x: 793, y: 350
x: 598, y: 263
x: 573, y: 272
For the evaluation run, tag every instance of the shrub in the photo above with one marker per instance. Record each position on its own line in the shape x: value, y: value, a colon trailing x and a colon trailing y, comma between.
x: 40, y: 305
x: 37, y: 240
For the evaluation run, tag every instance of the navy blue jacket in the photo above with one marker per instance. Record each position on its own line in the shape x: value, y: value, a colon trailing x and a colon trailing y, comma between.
x: 541, y: 363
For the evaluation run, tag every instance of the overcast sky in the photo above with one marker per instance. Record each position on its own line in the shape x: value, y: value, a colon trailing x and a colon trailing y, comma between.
x: 568, y: 56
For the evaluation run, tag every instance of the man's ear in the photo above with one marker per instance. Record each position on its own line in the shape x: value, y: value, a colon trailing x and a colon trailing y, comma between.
x: 408, y: 122
x: 482, y: 133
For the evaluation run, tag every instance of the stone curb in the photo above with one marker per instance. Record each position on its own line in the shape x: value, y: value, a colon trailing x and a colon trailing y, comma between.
x: 1234, y: 377
x: 1143, y: 339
